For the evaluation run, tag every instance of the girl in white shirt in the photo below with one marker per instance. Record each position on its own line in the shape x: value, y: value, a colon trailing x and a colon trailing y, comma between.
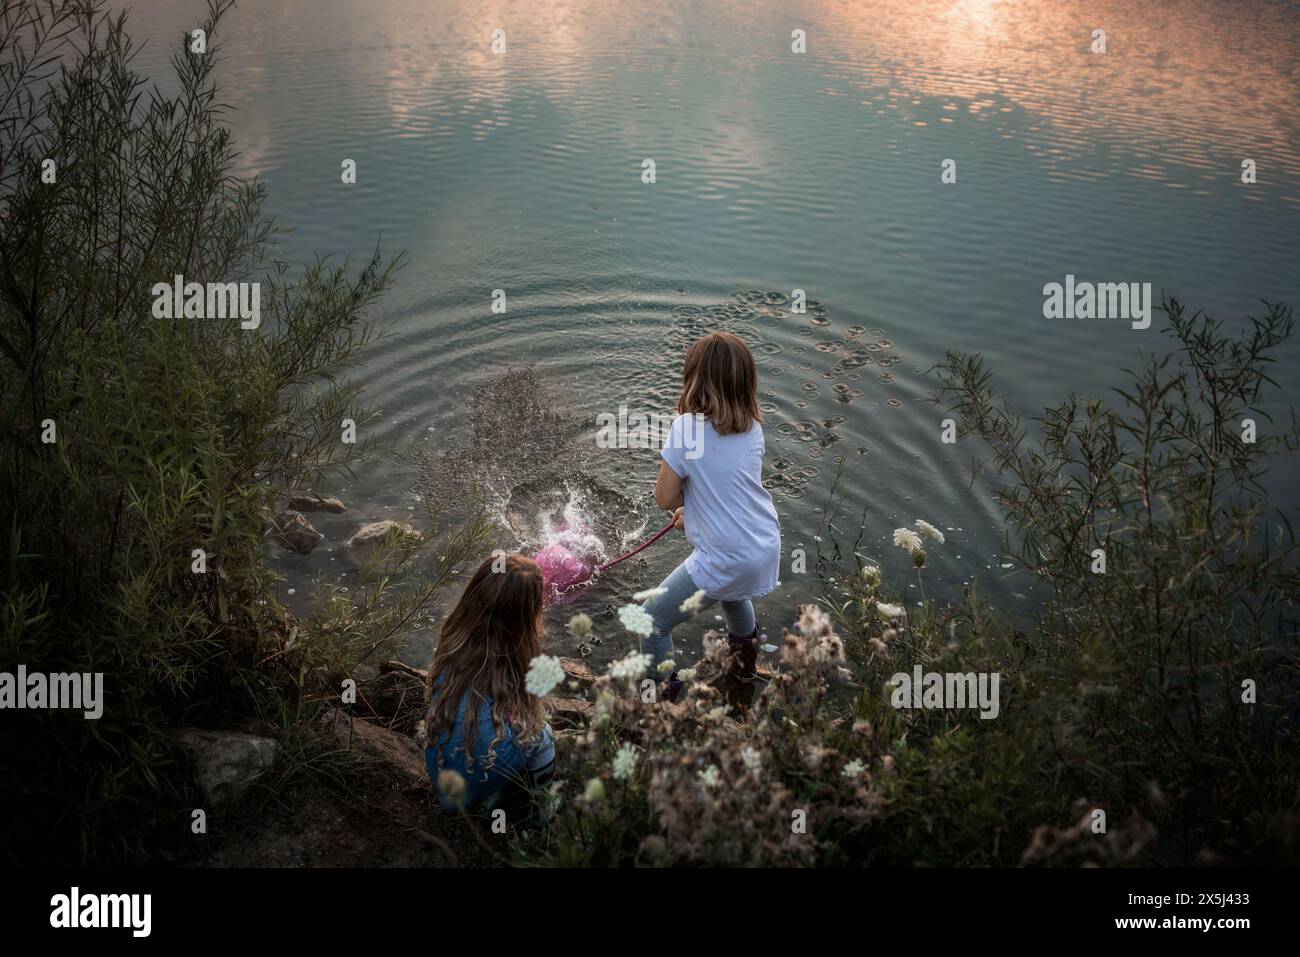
x: 711, y: 478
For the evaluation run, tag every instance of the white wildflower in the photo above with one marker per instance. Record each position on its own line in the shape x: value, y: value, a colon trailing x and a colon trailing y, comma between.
x: 649, y: 593
x: 544, y: 673
x: 906, y: 538
x: 752, y: 758
x: 636, y: 620
x: 580, y: 625
x: 595, y: 791
x: 686, y: 674
x: 692, y: 605
x: 929, y: 531
x: 871, y: 574
x: 603, y: 713
x: 654, y: 847
x: 552, y: 799
x: 666, y: 666
x: 631, y: 667
x: 452, y: 786
x: 815, y: 756
x: 853, y: 769
x: 812, y: 621
x: 710, y: 777
x: 625, y: 762
x: 886, y: 610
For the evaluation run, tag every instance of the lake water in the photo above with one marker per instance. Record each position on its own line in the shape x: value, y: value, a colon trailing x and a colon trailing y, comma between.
x: 775, y: 171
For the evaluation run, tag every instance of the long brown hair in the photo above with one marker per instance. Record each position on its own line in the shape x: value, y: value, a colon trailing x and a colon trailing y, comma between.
x: 486, y: 644
x: 720, y: 381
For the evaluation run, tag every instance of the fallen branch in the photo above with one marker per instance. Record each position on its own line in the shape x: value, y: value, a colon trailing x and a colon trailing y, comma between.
x: 385, y: 667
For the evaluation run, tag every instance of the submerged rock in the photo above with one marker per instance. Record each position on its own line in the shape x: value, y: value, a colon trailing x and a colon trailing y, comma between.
x: 577, y: 671
x: 568, y: 712
x: 375, y: 532
x: 317, y: 503
x: 226, y: 762
x: 296, y: 533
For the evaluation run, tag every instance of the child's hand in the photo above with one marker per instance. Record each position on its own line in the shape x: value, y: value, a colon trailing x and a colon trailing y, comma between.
x: 679, y: 518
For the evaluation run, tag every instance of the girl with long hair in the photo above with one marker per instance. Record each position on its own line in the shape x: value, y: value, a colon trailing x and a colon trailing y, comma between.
x: 482, y: 723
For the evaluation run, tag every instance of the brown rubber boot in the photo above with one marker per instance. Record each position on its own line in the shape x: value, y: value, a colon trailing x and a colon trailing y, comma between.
x: 742, y: 664
x: 672, y: 688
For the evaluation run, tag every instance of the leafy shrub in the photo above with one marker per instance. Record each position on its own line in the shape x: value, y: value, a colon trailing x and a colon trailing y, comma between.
x: 172, y: 435
x: 1124, y: 697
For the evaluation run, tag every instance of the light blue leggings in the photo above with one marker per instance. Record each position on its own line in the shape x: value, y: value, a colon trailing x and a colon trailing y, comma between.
x: 666, y: 610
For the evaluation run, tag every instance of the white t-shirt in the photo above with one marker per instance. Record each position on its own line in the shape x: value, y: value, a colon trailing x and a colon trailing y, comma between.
x: 730, y: 518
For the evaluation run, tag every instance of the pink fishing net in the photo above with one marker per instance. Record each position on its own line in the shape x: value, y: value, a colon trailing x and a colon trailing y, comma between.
x: 568, y: 561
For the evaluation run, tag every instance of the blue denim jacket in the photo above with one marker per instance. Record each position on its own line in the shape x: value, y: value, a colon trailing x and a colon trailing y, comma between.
x: 483, y: 784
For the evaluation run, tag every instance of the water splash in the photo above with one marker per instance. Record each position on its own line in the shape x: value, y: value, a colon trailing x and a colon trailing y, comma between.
x: 570, y: 551
x: 522, y: 449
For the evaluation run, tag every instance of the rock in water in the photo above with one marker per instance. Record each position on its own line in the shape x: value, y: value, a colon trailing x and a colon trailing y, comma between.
x: 568, y: 712
x: 226, y: 762
x: 296, y: 533
x: 316, y: 503
x: 577, y: 671
x: 371, y: 534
